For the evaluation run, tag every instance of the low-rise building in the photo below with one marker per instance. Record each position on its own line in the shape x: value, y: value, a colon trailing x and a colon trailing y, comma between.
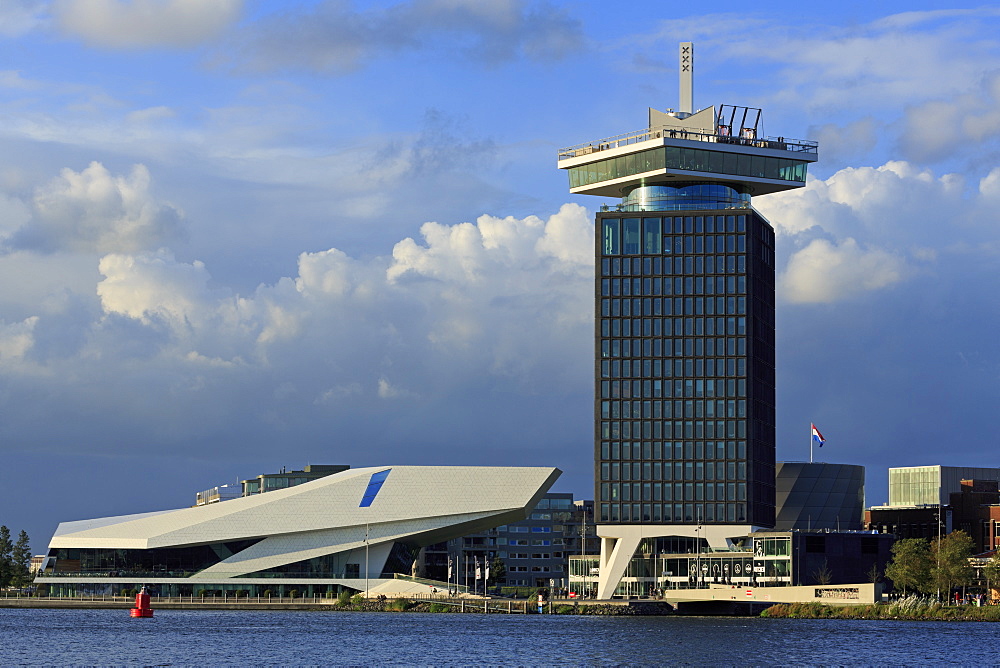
x: 911, y: 486
x: 533, y: 552
x: 763, y: 559
x: 267, y: 482
x: 974, y: 508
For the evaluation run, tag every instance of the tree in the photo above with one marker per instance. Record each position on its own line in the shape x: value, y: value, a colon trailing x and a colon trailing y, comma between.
x: 910, y: 566
x: 6, y: 564
x: 822, y: 575
x: 992, y: 574
x: 950, y: 566
x: 21, y: 561
x: 498, y: 570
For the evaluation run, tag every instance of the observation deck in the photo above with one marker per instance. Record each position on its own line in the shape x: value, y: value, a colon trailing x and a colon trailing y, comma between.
x: 705, y: 147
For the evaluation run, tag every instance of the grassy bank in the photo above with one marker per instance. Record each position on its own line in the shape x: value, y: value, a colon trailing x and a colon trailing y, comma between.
x: 909, y: 609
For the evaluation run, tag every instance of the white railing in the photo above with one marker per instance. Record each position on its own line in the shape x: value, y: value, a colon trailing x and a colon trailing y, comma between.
x: 629, y: 138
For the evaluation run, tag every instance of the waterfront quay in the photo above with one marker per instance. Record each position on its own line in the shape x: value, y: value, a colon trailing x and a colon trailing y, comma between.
x: 716, y: 600
x: 427, y: 603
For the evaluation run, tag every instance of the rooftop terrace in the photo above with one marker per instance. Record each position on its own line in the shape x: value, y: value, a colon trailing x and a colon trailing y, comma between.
x: 722, y: 135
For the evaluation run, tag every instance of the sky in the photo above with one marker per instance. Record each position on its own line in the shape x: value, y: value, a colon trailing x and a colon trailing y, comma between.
x: 237, y: 235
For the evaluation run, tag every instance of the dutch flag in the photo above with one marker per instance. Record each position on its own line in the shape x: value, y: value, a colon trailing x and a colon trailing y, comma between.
x: 818, y: 437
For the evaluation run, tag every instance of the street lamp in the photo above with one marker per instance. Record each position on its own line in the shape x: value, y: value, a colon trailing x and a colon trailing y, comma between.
x: 697, y: 532
x: 366, y: 560
x: 586, y: 564
x: 938, y: 574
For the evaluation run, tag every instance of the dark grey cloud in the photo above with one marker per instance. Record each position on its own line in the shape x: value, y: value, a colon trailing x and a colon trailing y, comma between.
x: 335, y: 37
x: 141, y: 24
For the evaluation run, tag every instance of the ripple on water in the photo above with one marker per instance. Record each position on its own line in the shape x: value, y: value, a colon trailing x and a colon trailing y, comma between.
x: 184, y: 637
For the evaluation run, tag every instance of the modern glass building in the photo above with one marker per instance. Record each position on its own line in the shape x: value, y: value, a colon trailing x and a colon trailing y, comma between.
x: 816, y: 496
x: 932, y: 485
x: 685, y: 365
x: 684, y: 440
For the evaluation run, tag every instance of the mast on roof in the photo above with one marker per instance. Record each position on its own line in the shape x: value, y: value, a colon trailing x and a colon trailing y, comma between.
x: 686, y: 54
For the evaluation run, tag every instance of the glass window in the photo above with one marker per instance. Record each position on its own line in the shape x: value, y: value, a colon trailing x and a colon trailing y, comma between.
x: 653, y: 236
x: 630, y: 236
x: 611, y: 236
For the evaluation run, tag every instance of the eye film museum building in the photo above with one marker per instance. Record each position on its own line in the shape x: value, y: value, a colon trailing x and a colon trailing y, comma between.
x: 354, y: 530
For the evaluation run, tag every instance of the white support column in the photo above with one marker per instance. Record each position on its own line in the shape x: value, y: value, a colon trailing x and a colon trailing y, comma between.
x: 619, y: 543
x: 616, y: 552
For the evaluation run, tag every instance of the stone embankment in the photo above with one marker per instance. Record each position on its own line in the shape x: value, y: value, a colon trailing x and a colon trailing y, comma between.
x: 358, y: 604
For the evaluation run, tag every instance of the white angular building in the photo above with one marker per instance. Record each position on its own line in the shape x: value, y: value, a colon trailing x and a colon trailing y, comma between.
x: 351, y: 530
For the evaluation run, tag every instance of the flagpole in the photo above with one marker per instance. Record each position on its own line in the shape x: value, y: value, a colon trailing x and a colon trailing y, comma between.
x: 810, y: 443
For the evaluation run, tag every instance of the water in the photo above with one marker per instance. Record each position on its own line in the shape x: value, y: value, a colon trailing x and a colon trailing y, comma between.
x: 181, y: 637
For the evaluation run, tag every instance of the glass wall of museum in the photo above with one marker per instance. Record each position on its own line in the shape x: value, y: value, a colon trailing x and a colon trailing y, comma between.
x: 638, y: 271
x: 163, y: 562
x: 208, y: 591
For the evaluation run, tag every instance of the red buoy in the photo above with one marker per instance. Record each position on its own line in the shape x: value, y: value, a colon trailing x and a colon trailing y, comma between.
x: 141, y: 608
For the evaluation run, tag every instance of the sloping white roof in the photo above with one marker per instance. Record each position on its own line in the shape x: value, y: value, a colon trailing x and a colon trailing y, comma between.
x: 421, y: 504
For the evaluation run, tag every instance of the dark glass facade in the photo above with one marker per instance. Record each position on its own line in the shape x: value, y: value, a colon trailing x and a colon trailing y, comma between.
x: 684, y: 372
x: 163, y: 562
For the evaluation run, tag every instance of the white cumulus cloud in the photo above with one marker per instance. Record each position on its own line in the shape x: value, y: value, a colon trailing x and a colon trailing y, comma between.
x: 94, y: 211
x: 827, y: 272
x: 503, y: 295
x: 16, y: 339
x: 153, y: 286
x: 866, y: 228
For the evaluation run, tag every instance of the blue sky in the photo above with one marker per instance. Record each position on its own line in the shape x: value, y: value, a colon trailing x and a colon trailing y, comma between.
x: 241, y: 235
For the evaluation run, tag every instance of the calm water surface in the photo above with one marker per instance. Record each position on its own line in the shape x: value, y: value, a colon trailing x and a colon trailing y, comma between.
x: 176, y: 637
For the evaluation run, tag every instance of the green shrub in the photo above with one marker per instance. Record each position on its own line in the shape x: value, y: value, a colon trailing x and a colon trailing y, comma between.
x: 344, y: 598
x: 266, y: 593
x: 358, y: 599
x: 400, y: 605
x: 911, y: 608
x: 293, y: 593
x: 779, y: 611
x: 440, y: 607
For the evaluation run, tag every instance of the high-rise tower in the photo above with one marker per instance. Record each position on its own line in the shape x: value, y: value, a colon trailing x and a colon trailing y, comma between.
x: 684, y: 442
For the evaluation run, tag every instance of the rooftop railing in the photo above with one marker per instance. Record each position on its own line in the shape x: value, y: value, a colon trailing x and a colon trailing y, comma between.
x: 672, y: 207
x: 718, y: 137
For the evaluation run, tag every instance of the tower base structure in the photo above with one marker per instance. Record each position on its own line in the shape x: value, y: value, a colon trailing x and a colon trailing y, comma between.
x: 621, y: 542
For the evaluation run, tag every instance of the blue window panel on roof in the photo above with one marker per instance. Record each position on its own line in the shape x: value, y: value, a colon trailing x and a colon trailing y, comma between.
x: 374, y: 485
